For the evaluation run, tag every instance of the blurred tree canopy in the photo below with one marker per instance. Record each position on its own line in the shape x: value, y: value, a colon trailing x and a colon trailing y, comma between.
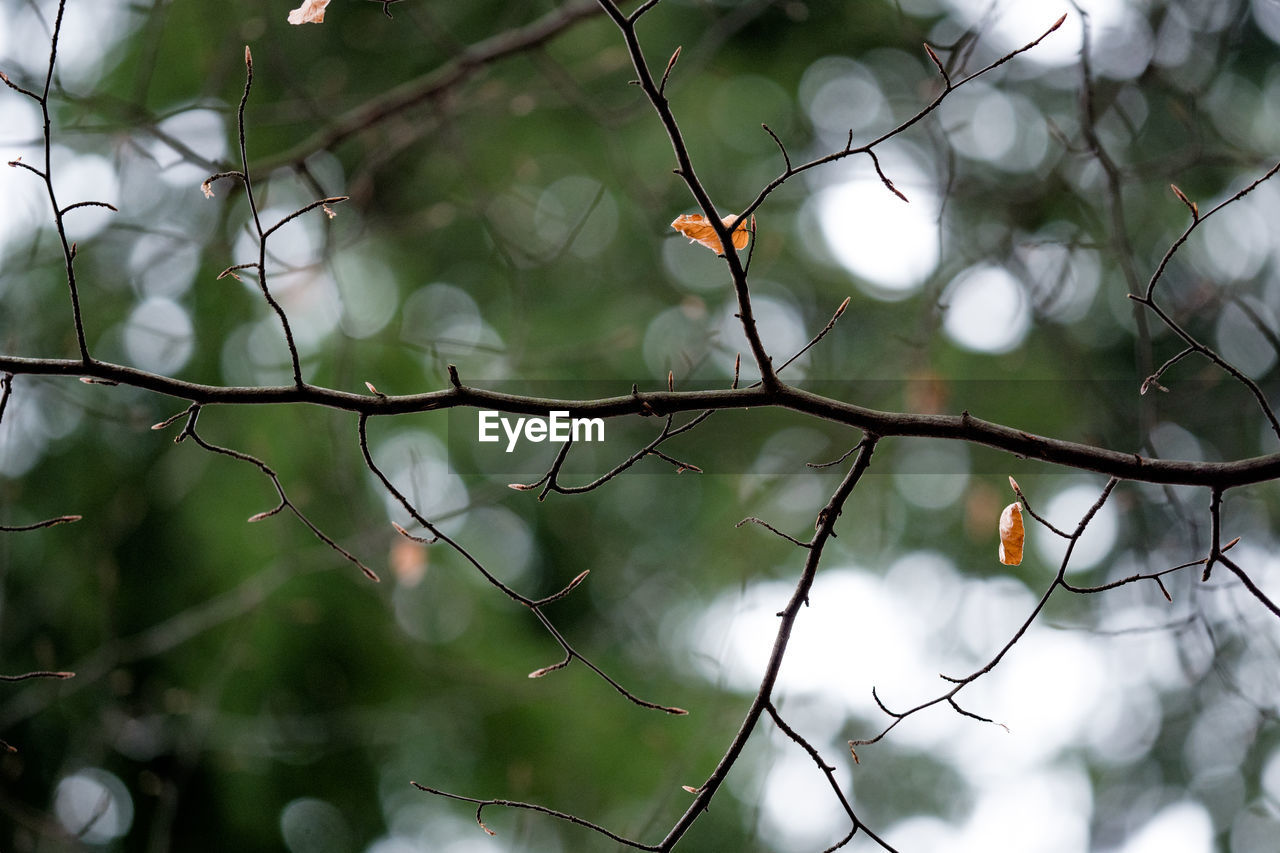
x: 508, y: 194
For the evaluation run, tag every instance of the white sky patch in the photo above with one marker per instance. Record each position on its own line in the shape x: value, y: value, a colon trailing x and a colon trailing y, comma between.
x: 1241, y: 336
x: 159, y: 336
x: 22, y: 442
x: 1237, y: 241
x: 1043, y: 812
x: 25, y: 199
x: 1184, y: 827
x: 367, y: 290
x: 921, y: 833
x: 798, y: 809
x: 1271, y: 775
x: 1049, y: 690
x: 850, y: 609
x: 293, y: 247
x: 1014, y: 23
x: 1063, y: 280
x: 1003, y: 129
x: 417, y: 464
x: 891, y: 245
x: 930, y: 474
x: 986, y: 310
x: 22, y: 191
x: 441, y: 315
x: 163, y: 264
x: 839, y: 95
x: 203, y: 131
x: 1125, y: 730
x: 780, y: 325
x: 84, y: 177
x: 93, y: 805
x: 20, y: 118
x: 1064, y: 510
x: 90, y: 32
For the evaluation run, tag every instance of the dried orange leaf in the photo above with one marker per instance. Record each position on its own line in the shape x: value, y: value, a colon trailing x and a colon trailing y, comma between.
x: 1011, y: 535
x: 698, y: 229
x: 310, y: 12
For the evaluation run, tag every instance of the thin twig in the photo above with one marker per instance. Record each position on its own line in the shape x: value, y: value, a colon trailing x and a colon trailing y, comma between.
x: 767, y: 526
x: 787, y: 618
x: 829, y: 772
x: 535, y: 606
x: 50, y: 522
x: 189, y: 431
x: 961, y: 683
x: 1031, y: 512
x: 514, y: 804
x: 26, y: 676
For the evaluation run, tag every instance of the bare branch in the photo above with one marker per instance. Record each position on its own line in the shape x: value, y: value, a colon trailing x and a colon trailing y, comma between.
x: 767, y: 526
x: 51, y: 522
x: 965, y: 427
x: 189, y: 431
x: 825, y: 528
x: 513, y: 804
x: 786, y: 158
x: 1031, y: 512
x: 26, y: 676
x: 961, y: 683
x: 685, y: 170
x: 412, y: 93
x: 829, y: 772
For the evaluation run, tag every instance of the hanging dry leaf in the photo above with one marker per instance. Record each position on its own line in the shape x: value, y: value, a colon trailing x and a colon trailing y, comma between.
x: 698, y: 229
x: 1011, y: 535
x: 310, y: 12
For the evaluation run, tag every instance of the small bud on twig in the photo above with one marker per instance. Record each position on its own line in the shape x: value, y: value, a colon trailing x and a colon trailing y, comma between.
x: 671, y: 63
x: 1191, y: 205
x: 937, y: 63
